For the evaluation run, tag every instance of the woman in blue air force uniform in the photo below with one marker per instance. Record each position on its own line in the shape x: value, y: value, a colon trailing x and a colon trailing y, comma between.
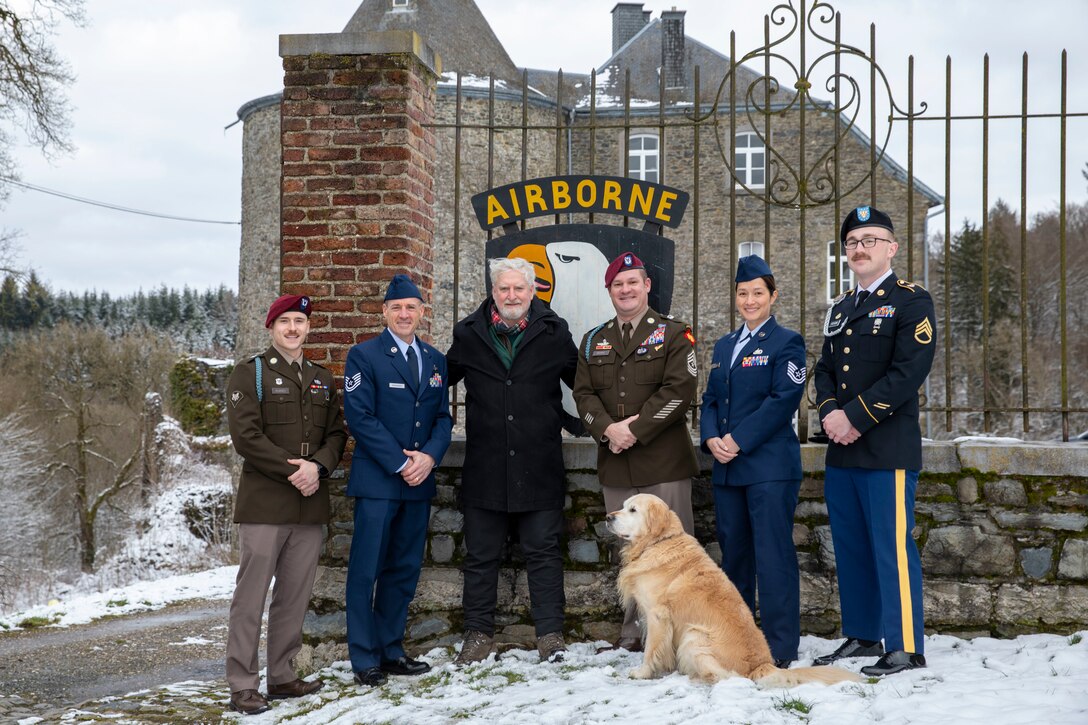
x: 757, y: 377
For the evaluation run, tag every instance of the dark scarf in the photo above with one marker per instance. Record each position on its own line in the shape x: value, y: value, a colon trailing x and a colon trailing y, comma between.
x: 504, y: 337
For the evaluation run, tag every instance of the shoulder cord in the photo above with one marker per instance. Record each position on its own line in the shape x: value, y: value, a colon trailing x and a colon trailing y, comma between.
x: 589, y: 338
x: 260, y: 387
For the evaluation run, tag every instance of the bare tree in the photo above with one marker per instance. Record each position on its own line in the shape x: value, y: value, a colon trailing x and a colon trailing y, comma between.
x: 26, y: 516
x: 33, y: 76
x: 88, y: 395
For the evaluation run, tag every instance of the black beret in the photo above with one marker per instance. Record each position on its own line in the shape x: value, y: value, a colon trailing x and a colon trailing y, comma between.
x: 865, y: 216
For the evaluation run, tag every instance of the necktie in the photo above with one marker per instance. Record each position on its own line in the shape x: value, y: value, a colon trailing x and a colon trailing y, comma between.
x: 626, y: 334
x: 862, y: 296
x: 413, y: 365
x: 298, y: 369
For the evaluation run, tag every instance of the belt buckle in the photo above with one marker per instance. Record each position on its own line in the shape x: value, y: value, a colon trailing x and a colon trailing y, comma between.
x: 619, y: 410
x: 305, y: 449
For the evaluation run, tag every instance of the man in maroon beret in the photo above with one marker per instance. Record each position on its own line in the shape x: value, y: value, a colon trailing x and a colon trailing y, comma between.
x: 636, y: 380
x: 285, y: 421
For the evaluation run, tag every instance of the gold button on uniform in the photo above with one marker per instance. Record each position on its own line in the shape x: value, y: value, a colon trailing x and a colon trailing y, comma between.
x: 844, y: 386
x: 846, y: 368
x: 846, y: 351
x: 849, y: 332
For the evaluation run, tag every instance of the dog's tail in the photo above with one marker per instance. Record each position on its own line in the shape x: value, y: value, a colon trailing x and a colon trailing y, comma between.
x: 770, y: 676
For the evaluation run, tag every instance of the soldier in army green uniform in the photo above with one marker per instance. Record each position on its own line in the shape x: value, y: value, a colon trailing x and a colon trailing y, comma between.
x: 285, y: 421
x: 878, y: 350
x: 636, y: 380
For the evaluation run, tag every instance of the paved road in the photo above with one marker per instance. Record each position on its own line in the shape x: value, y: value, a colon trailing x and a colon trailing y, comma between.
x: 114, y: 656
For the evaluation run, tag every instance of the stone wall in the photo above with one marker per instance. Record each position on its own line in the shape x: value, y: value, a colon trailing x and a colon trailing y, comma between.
x: 1003, y: 531
x: 259, y: 253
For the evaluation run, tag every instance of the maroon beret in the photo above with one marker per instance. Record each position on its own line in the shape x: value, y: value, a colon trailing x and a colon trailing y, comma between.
x: 287, y: 303
x: 622, y: 263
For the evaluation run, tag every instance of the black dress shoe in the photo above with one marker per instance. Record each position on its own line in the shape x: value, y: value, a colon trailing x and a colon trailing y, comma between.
x: 893, y: 662
x: 850, y: 648
x: 371, y: 677
x: 405, y: 665
x: 783, y: 663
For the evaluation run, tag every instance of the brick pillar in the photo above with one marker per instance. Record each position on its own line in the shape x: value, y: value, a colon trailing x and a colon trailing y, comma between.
x: 357, y: 191
x: 357, y: 207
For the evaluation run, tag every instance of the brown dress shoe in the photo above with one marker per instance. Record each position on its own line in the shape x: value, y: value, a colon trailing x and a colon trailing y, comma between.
x: 294, y: 688
x: 248, y: 702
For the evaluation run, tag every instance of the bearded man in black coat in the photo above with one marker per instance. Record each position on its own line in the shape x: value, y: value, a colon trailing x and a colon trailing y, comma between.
x: 512, y: 353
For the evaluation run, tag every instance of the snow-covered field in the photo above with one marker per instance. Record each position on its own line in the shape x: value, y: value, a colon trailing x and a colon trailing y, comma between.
x: 1030, y: 679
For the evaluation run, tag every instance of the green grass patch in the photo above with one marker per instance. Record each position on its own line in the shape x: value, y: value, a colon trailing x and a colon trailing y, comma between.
x: 32, y: 622
x: 793, y: 704
x: 1075, y: 639
x: 117, y: 603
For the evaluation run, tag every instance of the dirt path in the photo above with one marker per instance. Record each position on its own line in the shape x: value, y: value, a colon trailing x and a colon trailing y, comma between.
x: 51, y: 669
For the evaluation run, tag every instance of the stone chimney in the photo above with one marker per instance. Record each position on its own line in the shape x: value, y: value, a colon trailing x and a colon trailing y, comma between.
x: 672, y: 48
x: 627, y: 20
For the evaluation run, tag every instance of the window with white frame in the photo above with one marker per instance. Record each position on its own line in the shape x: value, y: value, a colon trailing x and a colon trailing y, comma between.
x: 845, y: 276
x: 644, y: 158
x: 746, y: 249
x: 400, y: 4
x: 750, y: 164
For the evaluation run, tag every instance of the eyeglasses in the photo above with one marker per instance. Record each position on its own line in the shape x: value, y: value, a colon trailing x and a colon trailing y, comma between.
x: 867, y: 242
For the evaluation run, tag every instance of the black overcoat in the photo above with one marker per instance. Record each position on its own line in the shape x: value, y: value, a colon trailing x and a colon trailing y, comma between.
x: 513, y: 418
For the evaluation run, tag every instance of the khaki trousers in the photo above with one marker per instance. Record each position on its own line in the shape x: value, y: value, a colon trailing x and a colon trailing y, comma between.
x: 289, y: 553
x: 677, y: 494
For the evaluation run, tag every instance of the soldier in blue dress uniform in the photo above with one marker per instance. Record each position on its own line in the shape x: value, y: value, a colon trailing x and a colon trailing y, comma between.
x: 757, y: 377
x: 878, y: 349
x: 397, y: 407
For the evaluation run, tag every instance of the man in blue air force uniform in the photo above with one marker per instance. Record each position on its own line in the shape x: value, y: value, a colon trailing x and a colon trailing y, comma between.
x: 878, y: 349
x: 397, y: 409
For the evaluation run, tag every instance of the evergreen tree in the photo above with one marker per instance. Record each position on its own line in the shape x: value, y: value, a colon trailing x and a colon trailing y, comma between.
x: 37, y: 305
x: 9, y: 302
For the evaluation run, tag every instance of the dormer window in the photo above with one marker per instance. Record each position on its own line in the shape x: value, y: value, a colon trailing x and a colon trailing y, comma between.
x: 400, y: 4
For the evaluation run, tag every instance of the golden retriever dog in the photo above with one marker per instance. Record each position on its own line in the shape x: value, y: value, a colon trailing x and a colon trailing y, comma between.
x: 694, y: 620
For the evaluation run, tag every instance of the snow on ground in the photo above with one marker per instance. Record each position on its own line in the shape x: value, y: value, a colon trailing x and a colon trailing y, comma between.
x: 1030, y: 679
x: 141, y: 596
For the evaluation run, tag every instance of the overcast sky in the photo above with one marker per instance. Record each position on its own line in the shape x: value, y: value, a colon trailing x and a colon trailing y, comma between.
x: 157, y: 82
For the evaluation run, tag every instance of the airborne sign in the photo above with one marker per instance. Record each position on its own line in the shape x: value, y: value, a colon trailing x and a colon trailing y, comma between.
x: 655, y: 203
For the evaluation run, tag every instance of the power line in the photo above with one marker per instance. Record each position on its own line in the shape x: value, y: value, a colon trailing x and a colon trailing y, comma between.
x: 106, y: 205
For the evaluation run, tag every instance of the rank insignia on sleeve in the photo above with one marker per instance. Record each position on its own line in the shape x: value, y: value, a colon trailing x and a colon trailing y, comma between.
x: 353, y: 382
x: 923, y: 332
x: 692, y: 368
x: 236, y: 397
x: 795, y: 373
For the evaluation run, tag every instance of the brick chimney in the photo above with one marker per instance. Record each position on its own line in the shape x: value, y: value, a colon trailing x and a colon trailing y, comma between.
x: 627, y: 20
x: 672, y: 48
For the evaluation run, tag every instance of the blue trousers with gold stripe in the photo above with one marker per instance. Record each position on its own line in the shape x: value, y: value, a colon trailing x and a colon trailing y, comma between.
x: 877, y: 562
